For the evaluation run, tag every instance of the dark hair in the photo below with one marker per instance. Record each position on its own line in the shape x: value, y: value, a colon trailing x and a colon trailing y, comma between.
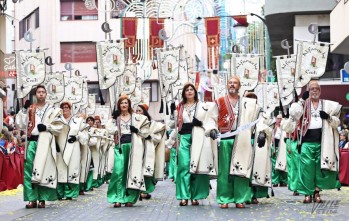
x: 145, y: 112
x: 90, y: 118
x: 40, y: 86
x: 184, y: 99
x: 121, y: 98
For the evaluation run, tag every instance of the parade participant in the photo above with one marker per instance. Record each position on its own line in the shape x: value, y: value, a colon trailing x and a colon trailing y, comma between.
x: 91, y: 143
x: 40, y: 175
x: 154, y: 153
x: 171, y: 144
x: 261, y: 172
x: 85, y: 158
x: 235, y: 152
x: 292, y: 154
x: 319, y: 152
x: 97, y: 152
x: 69, y: 156
x: 130, y: 129
x: 278, y: 177
x: 197, y: 126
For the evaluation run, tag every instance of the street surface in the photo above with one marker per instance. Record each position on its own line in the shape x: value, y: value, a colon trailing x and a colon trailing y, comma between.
x: 164, y: 206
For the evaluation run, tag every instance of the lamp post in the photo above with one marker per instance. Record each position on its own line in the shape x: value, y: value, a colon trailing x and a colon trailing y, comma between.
x: 267, y: 45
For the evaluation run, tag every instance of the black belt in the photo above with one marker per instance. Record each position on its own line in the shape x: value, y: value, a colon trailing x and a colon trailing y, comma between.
x: 186, y: 128
x: 33, y: 138
x: 313, y: 135
x: 125, y: 138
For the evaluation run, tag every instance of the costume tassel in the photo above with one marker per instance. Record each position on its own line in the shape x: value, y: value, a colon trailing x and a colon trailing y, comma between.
x: 161, y: 107
x: 167, y: 112
x: 101, y: 96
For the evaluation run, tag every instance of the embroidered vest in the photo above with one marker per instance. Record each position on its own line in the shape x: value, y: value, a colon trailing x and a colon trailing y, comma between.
x: 226, y: 116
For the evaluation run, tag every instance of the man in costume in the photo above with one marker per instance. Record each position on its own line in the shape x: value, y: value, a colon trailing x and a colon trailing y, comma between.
x: 278, y: 176
x: 69, y: 156
x: 319, y: 154
x: 43, y: 122
x: 235, y: 152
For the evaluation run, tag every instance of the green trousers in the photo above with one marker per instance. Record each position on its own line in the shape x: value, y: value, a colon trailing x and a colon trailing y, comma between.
x: 150, y: 183
x: 89, y: 180
x: 259, y: 192
x: 33, y: 192
x: 230, y: 189
x: 189, y: 186
x: 277, y: 176
x: 172, y: 168
x: 117, y: 191
x: 65, y: 190
x: 310, y: 173
x: 292, y: 164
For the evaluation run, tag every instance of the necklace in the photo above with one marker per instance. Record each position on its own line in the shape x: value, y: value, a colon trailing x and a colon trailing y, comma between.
x: 189, y: 108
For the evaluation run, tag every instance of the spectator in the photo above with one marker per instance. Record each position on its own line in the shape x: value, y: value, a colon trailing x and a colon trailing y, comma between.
x: 9, y: 120
x: 343, y: 138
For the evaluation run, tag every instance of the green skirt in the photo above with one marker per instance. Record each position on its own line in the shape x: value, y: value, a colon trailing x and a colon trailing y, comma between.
x: 117, y: 191
x: 277, y: 175
x: 310, y: 173
x: 189, y: 186
x: 33, y: 192
x: 89, y: 180
x: 65, y: 190
x: 172, y: 168
x: 292, y: 164
x: 230, y: 189
x: 150, y: 183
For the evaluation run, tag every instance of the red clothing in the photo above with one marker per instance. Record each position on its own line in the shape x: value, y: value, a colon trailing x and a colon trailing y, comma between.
x: 344, y: 166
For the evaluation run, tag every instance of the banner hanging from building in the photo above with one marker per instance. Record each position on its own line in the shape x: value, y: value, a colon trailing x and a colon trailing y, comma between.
x: 212, y: 25
x: 30, y: 71
x: 129, y: 31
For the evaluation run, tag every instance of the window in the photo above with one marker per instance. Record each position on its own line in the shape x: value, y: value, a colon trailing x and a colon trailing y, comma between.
x: 78, y: 52
x: 76, y: 10
x: 30, y: 22
x: 154, y: 89
x: 324, y: 35
x: 93, y: 88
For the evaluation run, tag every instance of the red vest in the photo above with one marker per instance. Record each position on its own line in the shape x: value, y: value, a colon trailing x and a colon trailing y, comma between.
x: 226, y: 116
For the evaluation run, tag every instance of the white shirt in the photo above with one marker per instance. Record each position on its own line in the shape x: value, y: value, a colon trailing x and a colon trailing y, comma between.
x: 189, y: 112
x: 39, y: 114
x: 316, y: 121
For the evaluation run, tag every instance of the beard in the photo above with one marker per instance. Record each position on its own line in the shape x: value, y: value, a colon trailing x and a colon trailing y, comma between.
x: 315, y: 96
x: 232, y: 91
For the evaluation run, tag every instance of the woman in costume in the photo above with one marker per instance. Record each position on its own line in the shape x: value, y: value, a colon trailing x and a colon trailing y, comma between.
x: 154, y: 157
x: 130, y: 129
x: 196, y: 160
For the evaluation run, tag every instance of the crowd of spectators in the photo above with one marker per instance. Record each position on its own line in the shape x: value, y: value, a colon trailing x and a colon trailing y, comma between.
x: 12, y: 144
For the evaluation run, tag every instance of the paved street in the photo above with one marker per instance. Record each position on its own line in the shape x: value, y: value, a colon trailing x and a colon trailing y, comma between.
x: 164, y: 206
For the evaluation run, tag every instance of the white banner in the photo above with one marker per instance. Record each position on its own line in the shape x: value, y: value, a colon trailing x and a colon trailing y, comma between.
x: 182, y: 79
x: 54, y: 83
x: 127, y: 81
x: 30, y: 71
x: 286, y: 70
x: 168, y: 64
x: 247, y: 68
x: 103, y: 112
x: 110, y: 61
x: 136, y: 95
x: 73, y: 89
x: 311, y: 62
x: 84, y: 100
x: 91, y: 107
x: 267, y: 96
